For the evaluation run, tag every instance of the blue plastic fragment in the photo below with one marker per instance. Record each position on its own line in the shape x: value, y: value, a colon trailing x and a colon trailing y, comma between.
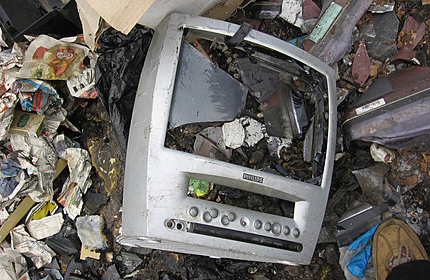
x: 358, y: 263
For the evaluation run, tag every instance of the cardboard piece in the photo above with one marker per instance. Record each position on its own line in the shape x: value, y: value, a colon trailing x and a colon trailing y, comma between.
x: 90, y: 23
x: 121, y: 14
x: 27, y: 124
x: 16, y: 216
x: 88, y: 252
x: 160, y: 9
x: 124, y: 14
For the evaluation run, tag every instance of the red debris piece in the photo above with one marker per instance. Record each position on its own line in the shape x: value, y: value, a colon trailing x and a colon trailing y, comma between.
x: 310, y: 10
x: 361, y: 65
x: 409, y: 37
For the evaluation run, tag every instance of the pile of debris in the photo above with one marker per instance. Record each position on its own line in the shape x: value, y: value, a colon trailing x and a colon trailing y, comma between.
x: 60, y: 157
x: 66, y: 106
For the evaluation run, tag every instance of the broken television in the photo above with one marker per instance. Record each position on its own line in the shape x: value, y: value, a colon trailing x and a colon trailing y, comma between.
x: 218, y: 164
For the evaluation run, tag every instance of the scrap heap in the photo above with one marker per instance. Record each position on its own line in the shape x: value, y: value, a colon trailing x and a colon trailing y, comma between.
x: 66, y: 103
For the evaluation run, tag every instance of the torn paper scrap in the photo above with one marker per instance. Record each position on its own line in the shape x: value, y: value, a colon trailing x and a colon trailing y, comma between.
x: 37, y: 251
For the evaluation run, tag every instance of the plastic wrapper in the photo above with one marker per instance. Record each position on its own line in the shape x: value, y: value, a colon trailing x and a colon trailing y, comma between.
x: 117, y: 75
x: 49, y: 59
x: 13, y: 265
x: 37, y: 251
x: 35, y: 95
x: 357, y: 264
x: 382, y: 154
x: 64, y: 243
x: 90, y: 231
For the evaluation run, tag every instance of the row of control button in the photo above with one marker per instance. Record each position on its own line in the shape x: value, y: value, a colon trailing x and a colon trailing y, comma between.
x: 276, y: 228
x: 213, y: 213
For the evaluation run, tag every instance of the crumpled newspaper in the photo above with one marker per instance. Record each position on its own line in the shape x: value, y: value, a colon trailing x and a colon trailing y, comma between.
x: 13, y: 265
x: 71, y: 196
x: 36, y: 153
x: 54, y: 116
x: 84, y: 85
x: 10, y: 58
x: 37, y: 251
x: 7, y: 106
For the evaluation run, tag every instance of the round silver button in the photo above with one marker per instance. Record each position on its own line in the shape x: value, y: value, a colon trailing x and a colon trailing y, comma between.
x: 231, y: 217
x: 224, y: 220
x: 194, y: 211
x: 286, y: 230
x: 258, y: 224
x: 213, y: 213
x: 296, y: 232
x: 207, y: 217
x: 276, y: 228
x: 268, y: 226
x: 244, y: 221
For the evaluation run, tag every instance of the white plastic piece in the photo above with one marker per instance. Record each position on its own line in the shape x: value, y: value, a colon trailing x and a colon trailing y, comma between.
x: 382, y: 154
x: 253, y: 131
x: 233, y: 134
